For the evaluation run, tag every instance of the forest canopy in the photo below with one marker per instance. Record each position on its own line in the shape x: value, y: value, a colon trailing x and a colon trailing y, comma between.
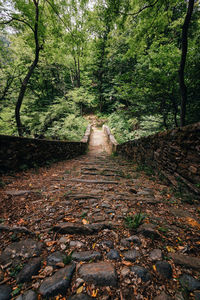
x: 136, y: 63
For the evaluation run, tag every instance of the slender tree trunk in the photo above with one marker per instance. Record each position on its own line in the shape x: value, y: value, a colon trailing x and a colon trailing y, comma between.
x: 175, y: 107
x: 183, y: 88
x: 30, y: 72
x: 78, y: 74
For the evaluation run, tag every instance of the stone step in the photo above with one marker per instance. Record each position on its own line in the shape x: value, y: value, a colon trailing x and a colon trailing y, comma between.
x: 94, y: 181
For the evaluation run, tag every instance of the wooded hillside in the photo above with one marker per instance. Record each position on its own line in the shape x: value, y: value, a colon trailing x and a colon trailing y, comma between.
x: 135, y: 63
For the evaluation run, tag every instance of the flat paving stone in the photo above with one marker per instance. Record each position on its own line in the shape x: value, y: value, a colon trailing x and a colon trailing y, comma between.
x: 155, y: 255
x: 189, y: 283
x: 113, y: 254
x: 131, y: 255
x: 23, y: 249
x: 30, y: 269
x: 74, y: 228
x: 76, y: 244
x: 107, y: 243
x: 186, y: 261
x: 141, y: 272
x: 58, y: 283
x: 86, y: 255
x: 29, y: 295
x: 5, y: 292
x: 18, y: 192
x: 134, y: 239
x: 80, y: 297
x: 101, y: 274
x: 164, y: 269
x: 55, y: 258
x: 163, y: 296
x: 148, y: 230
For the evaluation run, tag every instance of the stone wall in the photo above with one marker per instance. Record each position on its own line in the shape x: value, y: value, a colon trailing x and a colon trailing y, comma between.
x: 17, y: 153
x: 174, y: 153
x: 111, y: 140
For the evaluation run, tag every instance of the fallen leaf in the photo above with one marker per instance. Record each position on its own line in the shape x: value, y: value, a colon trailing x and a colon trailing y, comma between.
x: 180, y: 247
x: 154, y: 268
x: 84, y: 221
x: 21, y: 221
x: 79, y: 290
x: 127, y: 263
x: 170, y: 249
x: 49, y: 244
x: 69, y: 220
x: 94, y: 293
x: 192, y: 222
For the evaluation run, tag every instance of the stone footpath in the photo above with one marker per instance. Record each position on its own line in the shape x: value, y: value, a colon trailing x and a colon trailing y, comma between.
x: 96, y: 227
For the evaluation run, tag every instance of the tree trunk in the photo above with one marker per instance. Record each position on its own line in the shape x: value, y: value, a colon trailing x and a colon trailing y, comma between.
x: 183, y: 88
x: 30, y: 72
x: 77, y: 72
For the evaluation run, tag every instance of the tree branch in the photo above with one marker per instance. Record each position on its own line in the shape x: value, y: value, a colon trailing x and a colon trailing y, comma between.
x: 19, y: 20
x: 140, y: 10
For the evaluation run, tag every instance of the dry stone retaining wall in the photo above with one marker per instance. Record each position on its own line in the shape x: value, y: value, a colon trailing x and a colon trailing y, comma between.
x: 176, y: 153
x: 111, y: 140
x: 17, y: 153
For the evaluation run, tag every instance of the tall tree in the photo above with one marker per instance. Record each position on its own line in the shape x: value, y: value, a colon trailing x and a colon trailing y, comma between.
x: 27, y: 14
x: 184, y: 47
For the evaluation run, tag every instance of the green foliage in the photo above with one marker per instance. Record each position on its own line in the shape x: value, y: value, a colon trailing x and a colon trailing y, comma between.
x: 67, y: 260
x: 83, y: 215
x: 98, y: 56
x: 121, y: 126
x: 17, y: 290
x: 15, y: 270
x: 14, y: 237
x: 133, y: 222
x: 82, y: 98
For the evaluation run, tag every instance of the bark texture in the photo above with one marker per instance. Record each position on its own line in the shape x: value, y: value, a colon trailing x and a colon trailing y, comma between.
x: 183, y: 87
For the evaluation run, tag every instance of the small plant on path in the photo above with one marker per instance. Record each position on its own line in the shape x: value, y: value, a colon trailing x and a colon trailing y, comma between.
x: 133, y: 222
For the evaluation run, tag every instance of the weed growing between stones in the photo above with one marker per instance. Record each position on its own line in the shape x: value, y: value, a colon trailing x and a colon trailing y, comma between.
x: 83, y: 215
x: 15, y: 270
x: 133, y: 222
x: 14, y: 237
x: 16, y: 291
x: 163, y: 230
x: 68, y: 258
